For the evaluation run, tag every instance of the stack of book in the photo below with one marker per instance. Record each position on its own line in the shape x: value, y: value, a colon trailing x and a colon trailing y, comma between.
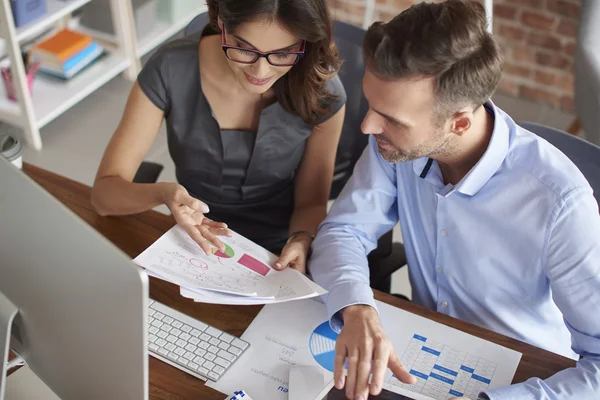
x: 66, y: 53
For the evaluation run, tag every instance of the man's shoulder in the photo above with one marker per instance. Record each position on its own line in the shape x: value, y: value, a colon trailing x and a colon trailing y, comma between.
x: 531, y: 156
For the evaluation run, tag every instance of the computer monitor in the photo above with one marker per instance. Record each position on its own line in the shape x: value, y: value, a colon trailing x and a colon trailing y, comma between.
x: 82, y: 304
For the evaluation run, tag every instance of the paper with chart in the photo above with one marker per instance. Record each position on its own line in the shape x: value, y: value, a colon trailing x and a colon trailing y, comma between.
x: 242, y: 270
x: 446, y: 361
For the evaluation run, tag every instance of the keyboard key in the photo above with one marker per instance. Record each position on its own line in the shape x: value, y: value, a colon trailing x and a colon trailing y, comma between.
x: 175, y: 332
x: 152, y: 338
x: 223, y: 363
x: 153, y: 330
x: 186, y: 328
x: 235, y: 351
x: 153, y: 347
x: 194, y: 341
x: 170, y: 346
x: 166, y: 328
x: 179, y: 351
x: 193, y: 366
x: 183, y: 361
x: 171, y: 339
x: 204, y: 345
x: 210, y: 356
x: 157, y: 323
x: 203, y: 371
x: 167, y: 320
x: 173, y: 356
x: 226, y: 337
x: 213, y: 375
x: 239, y: 344
x: 176, y: 324
x: 151, y: 312
x: 213, y: 331
x: 224, y: 346
x: 162, y: 334
x: 190, y: 347
x: 195, y: 332
x: 218, y: 370
x: 185, y: 336
x: 214, y: 341
x: 189, y: 355
x: 199, y: 361
x: 201, y: 353
x: 209, y: 365
x: 181, y: 343
x: 158, y: 315
x: 213, y: 349
x: 161, y: 342
x: 205, y: 337
x: 226, y: 355
x: 162, y: 351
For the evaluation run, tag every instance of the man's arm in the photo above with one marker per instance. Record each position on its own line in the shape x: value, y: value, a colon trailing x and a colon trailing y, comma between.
x: 364, y: 211
x: 573, y: 268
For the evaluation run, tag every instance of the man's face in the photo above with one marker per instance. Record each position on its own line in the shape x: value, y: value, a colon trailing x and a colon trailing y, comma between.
x: 402, y: 116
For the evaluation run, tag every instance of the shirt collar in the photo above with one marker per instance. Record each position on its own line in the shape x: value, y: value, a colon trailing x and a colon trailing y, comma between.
x: 487, y: 165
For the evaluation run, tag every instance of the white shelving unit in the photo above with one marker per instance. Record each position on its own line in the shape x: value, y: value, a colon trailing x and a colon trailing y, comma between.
x: 52, y: 97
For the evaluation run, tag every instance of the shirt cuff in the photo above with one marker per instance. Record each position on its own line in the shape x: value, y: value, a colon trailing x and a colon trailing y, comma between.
x: 344, y: 295
x: 518, y: 391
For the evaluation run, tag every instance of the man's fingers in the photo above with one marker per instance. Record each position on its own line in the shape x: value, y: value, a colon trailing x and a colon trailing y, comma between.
x: 339, y: 378
x: 286, y: 257
x: 363, y: 373
x: 398, y: 369
x: 380, y: 364
x: 353, y: 359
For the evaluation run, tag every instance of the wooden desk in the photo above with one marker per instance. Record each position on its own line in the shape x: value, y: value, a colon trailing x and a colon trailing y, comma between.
x: 135, y: 233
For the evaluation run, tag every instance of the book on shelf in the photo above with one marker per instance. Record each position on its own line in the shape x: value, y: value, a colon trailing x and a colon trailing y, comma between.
x: 60, y: 47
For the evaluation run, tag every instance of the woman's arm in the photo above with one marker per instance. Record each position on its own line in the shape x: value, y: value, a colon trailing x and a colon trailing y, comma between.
x: 313, y: 185
x: 113, y: 192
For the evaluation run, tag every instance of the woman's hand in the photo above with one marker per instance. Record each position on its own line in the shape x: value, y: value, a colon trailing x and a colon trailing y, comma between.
x: 294, y: 254
x: 189, y: 214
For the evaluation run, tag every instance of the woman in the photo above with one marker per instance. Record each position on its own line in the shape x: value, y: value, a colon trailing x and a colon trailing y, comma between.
x: 254, y: 111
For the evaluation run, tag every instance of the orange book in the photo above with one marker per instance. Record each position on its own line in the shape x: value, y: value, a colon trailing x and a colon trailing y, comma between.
x: 62, y: 46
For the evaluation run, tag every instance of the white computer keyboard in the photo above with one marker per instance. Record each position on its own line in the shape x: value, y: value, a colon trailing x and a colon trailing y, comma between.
x: 190, y: 345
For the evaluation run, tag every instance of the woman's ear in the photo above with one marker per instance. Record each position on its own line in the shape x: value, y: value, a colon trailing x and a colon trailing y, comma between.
x: 220, y: 23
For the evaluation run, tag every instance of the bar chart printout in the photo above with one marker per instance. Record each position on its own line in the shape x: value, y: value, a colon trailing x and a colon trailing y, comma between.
x: 444, y: 372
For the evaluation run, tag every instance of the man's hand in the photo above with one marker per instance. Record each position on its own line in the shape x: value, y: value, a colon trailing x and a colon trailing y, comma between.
x: 364, y: 343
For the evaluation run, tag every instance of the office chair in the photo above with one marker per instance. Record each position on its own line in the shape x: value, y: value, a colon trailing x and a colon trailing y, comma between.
x: 388, y: 257
x: 585, y: 155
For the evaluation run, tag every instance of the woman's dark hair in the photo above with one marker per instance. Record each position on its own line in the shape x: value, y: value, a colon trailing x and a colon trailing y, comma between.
x: 303, y: 90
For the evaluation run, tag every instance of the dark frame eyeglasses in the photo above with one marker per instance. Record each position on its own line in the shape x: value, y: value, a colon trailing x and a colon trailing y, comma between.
x: 289, y: 57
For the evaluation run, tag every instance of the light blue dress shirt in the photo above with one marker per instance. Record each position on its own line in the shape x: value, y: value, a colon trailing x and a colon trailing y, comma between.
x: 513, y: 247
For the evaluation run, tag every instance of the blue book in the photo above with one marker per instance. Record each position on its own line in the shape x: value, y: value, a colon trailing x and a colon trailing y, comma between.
x: 81, y: 56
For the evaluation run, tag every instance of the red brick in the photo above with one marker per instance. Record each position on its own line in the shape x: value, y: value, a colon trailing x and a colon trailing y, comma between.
x: 553, y: 60
x: 568, y: 28
x: 522, y: 53
x: 403, y: 4
x: 517, y: 70
x: 567, y: 103
x: 386, y: 16
x: 544, y: 40
x: 546, y: 78
x: 565, y: 82
x: 505, y: 11
x: 541, y: 95
x: 510, y: 32
x: 354, y: 9
x: 565, y: 8
x: 508, y: 87
x: 531, y: 3
x: 570, y: 48
x: 538, y: 20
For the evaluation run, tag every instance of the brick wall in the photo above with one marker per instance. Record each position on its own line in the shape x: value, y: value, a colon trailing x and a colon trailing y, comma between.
x: 538, y: 38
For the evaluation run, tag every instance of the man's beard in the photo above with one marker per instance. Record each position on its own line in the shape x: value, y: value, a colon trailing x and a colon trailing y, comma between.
x: 437, y: 145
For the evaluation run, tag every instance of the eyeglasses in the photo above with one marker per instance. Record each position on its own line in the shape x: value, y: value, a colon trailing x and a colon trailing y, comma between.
x: 247, y: 56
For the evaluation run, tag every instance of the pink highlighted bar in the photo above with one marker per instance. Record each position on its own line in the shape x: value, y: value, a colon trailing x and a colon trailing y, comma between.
x: 253, y: 264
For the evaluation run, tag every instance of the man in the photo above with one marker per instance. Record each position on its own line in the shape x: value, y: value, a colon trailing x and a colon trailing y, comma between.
x: 500, y: 228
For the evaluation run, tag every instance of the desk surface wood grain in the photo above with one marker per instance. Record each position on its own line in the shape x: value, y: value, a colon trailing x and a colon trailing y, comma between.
x: 133, y: 234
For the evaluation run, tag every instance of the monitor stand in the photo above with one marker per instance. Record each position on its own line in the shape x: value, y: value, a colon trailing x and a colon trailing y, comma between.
x: 8, y: 311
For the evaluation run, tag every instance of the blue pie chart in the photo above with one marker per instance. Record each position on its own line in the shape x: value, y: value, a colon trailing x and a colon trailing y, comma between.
x: 322, y: 345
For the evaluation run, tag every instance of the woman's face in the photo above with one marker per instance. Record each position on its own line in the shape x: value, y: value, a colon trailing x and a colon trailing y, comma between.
x: 265, y: 36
